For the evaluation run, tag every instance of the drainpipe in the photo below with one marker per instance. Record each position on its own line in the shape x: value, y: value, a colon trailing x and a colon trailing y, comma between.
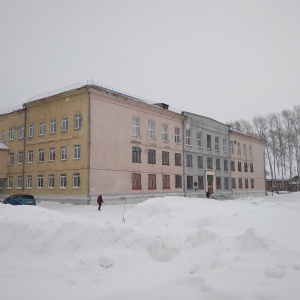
x: 89, y: 148
x: 183, y: 154
x: 24, y: 148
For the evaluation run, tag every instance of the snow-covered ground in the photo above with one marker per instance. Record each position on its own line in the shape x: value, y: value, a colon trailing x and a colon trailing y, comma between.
x: 168, y: 248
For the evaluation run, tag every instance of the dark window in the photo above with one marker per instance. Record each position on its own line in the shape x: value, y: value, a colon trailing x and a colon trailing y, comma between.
x: 178, y: 181
x: 218, y: 182
x: 189, y: 182
x: 240, y: 183
x: 226, y: 164
x: 226, y: 183
x: 136, y: 154
x: 200, y: 161
x: 200, y: 182
x: 245, y: 167
x: 209, y: 163
x: 252, y: 183
x: 232, y: 165
x: 151, y: 181
x: 251, y: 167
x: 239, y: 166
x: 233, y: 183
x: 218, y: 164
x: 246, y: 183
x: 166, y: 181
x: 165, y: 158
x: 189, y: 160
x: 177, y: 159
x: 136, y: 181
x: 151, y: 156
x: 208, y: 141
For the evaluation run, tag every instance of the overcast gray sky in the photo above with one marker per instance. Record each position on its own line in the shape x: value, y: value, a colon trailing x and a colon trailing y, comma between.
x: 223, y: 59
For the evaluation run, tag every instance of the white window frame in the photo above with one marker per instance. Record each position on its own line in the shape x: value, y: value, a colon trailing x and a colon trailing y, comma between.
x: 231, y: 147
x: 217, y: 143
x: 77, y: 121
x: 245, y: 150
x: 77, y: 151
x: 199, y: 139
x: 250, y: 151
x: 11, y: 158
x: 188, y: 137
x: 52, y: 154
x: 63, y: 181
x: 29, y: 182
x: 21, y: 132
x: 224, y: 145
x: 20, y: 157
x: 11, y: 134
x: 31, y: 130
x: 64, y: 124
x: 53, y: 126
x: 41, y: 155
x: 165, y: 133
x: 9, y: 182
x: 19, y: 182
x: 51, y: 181
x: 63, y: 152
x: 76, y: 180
x: 30, y: 156
x: 39, y: 181
x: 238, y: 151
x: 42, y: 128
x: 3, y: 136
x: 135, y: 126
x: 151, y: 129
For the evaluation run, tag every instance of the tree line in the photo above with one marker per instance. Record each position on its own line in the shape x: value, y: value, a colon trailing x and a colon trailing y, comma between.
x: 281, y: 133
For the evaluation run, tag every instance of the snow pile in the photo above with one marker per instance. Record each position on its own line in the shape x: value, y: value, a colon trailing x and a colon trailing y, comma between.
x: 168, y: 248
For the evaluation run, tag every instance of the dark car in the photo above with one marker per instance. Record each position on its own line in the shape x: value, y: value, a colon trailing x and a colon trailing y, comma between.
x: 20, y: 199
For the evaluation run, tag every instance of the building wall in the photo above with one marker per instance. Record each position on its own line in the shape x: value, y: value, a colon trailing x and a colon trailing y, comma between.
x: 245, y: 157
x: 3, y: 164
x: 194, y: 124
x: 112, y: 141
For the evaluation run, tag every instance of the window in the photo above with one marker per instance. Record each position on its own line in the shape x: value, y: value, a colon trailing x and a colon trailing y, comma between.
x: 42, y: 128
x: 218, y: 164
x: 20, y: 157
x: 189, y: 160
x: 40, y: 182
x: 177, y: 159
x: 238, y: 151
x: 246, y: 183
x: 151, y: 130
x: 3, y: 136
x: 240, y: 183
x: 200, y: 182
x: 1, y: 183
x: 252, y: 183
x: 151, y: 156
x: 30, y: 156
x: 225, y: 164
x: 9, y: 182
x: 11, y: 158
x: 76, y: 153
x: 63, y: 153
x: 233, y: 183
x: 76, y: 180
x: 51, y: 181
x: 165, y: 158
x: 178, y: 181
x: 217, y: 143
x: 11, y: 134
x: 250, y: 151
x: 63, y: 181
x: 245, y: 167
x: 136, y: 154
x: 208, y: 141
x: 232, y: 165
x: 52, y: 126
x: 239, y: 166
x: 245, y: 150
x: 135, y: 126
x: 64, y: 124
x: 77, y: 121
x: 188, y: 137
x: 151, y: 181
x: 177, y: 135
x: 224, y: 145
x: 165, y: 133
x: 231, y: 147
x: 52, y: 154
x: 200, y: 161
x: 218, y: 182
x: 21, y: 132
x: 28, y: 181
x: 19, y: 182
x: 41, y: 155
x: 136, y: 181
x: 189, y: 182
x: 166, y: 181
x: 251, y: 167
x: 199, y: 139
x: 31, y: 130
x: 226, y: 183
x: 209, y: 163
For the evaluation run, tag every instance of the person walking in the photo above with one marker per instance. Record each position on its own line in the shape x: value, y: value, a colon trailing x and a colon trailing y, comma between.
x: 100, y: 201
x: 207, y: 194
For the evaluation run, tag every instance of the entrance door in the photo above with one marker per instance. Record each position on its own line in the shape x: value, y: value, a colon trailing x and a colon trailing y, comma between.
x: 210, y: 183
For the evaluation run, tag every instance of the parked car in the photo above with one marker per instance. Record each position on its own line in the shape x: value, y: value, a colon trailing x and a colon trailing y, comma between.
x: 20, y: 199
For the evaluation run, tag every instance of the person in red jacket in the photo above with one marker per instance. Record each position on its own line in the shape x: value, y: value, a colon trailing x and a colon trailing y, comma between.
x: 100, y: 201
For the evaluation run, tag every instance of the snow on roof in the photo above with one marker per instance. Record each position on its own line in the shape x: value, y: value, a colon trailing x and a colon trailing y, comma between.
x: 3, y: 146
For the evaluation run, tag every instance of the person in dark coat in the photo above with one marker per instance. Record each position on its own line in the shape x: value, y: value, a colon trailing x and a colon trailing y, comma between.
x: 100, y: 201
x: 207, y: 194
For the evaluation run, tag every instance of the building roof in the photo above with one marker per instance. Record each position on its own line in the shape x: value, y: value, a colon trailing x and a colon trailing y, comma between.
x: 3, y: 146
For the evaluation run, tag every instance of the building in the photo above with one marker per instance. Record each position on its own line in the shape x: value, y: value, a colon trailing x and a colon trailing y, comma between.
x: 90, y: 140
x: 247, y: 165
x: 207, y: 156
